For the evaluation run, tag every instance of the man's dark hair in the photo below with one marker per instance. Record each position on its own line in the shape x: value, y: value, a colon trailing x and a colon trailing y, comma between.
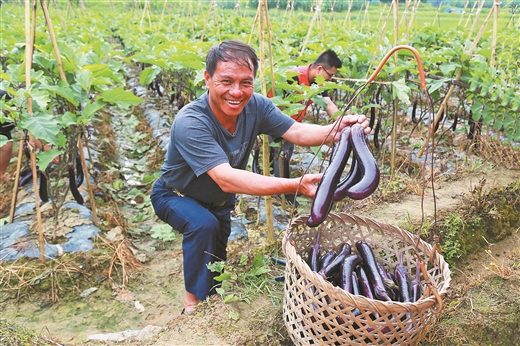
x: 328, y: 59
x: 236, y: 51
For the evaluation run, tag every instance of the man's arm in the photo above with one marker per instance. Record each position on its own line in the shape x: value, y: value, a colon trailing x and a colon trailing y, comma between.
x: 313, y: 134
x: 232, y: 180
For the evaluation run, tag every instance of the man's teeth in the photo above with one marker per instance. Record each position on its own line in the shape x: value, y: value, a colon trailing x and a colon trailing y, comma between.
x: 233, y: 102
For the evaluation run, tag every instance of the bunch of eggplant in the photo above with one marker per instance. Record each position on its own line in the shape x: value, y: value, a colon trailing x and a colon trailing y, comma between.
x: 360, y: 182
x: 359, y: 273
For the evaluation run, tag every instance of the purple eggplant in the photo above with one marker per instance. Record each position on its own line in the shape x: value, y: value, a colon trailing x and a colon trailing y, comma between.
x: 72, y: 185
x: 353, y: 177
x: 414, y: 112
x: 369, y: 263
x: 25, y: 177
x: 314, y: 253
x: 256, y: 159
x: 415, y: 286
x: 372, y: 117
x: 388, y: 282
x: 367, y: 164
x: 44, y: 194
x: 377, y: 130
x: 326, y: 259
x: 286, y: 162
x: 79, y: 172
x: 323, y: 199
x: 355, y: 291
x: 347, y: 269
x: 403, y: 281
x: 328, y: 270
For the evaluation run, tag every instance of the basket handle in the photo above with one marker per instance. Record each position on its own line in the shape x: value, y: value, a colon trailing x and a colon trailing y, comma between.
x: 430, y: 289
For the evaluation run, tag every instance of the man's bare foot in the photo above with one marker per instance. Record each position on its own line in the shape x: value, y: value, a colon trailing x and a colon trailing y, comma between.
x: 190, y: 302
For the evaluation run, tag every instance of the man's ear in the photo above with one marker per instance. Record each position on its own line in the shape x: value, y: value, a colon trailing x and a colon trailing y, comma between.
x: 207, y: 77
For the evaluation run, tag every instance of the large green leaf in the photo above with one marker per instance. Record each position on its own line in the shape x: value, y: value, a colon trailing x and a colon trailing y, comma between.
x: 64, y: 90
x: 85, y: 78
x: 401, y: 91
x: 91, y: 108
x: 121, y: 97
x: 41, y: 125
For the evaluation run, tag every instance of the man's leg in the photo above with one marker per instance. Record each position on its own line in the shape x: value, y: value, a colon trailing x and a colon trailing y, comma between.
x: 204, y: 237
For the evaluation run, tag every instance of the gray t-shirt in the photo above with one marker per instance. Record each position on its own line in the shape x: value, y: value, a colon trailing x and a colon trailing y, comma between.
x: 198, y: 143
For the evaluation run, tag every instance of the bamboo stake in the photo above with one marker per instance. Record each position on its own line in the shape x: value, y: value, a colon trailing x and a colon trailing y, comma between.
x: 415, y: 7
x: 471, y: 14
x: 316, y: 14
x: 475, y: 21
x: 16, y: 181
x: 262, y: 10
x: 452, y: 87
x: 463, y: 12
x: 64, y: 78
x: 206, y: 22
x: 29, y: 41
x: 347, y: 16
x: 395, y: 102
x: 365, y: 16
x: 159, y: 26
x: 404, y: 18
x: 496, y: 8
x: 437, y: 15
x: 380, y: 16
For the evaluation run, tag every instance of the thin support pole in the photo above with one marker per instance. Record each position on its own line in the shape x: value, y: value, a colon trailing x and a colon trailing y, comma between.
x: 29, y: 40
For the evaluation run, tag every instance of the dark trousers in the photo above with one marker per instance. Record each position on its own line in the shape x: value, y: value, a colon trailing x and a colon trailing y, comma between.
x: 205, y: 229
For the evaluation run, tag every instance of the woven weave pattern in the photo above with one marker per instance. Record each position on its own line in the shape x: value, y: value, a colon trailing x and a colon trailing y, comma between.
x: 319, y: 313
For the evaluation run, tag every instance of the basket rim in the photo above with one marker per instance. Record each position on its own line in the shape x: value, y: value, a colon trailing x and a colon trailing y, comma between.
x: 367, y: 303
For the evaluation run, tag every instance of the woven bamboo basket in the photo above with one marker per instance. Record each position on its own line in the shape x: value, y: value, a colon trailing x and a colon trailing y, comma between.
x: 319, y: 313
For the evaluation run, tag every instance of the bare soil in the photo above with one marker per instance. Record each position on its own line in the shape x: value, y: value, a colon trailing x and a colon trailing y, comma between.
x: 158, y: 284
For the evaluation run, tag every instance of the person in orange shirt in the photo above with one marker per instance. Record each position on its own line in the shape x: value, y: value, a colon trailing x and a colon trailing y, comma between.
x: 326, y: 65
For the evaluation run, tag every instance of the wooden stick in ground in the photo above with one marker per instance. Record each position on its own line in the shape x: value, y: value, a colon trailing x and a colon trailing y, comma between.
x: 28, y: 59
x: 316, y: 14
x: 269, y: 218
x: 463, y: 12
x: 87, y: 180
x: 16, y: 181
x: 395, y: 101
x: 415, y: 7
x: 470, y: 14
x: 63, y: 77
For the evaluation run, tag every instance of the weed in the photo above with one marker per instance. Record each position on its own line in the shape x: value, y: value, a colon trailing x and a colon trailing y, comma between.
x: 451, y: 247
x: 246, y: 281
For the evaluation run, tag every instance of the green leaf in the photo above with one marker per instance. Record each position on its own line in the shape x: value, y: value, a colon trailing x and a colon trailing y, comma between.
x: 447, y: 69
x: 121, y: 97
x: 46, y: 157
x: 163, y: 232
x: 222, y: 277
x: 4, y: 140
x: 148, y: 75
x: 68, y: 119
x: 64, y: 90
x: 41, y: 126
x: 401, y: 91
x: 85, y: 79
x: 91, y: 108
x: 39, y: 96
x: 436, y: 85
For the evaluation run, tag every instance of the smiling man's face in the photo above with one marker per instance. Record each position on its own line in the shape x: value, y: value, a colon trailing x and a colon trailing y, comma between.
x: 230, y: 89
